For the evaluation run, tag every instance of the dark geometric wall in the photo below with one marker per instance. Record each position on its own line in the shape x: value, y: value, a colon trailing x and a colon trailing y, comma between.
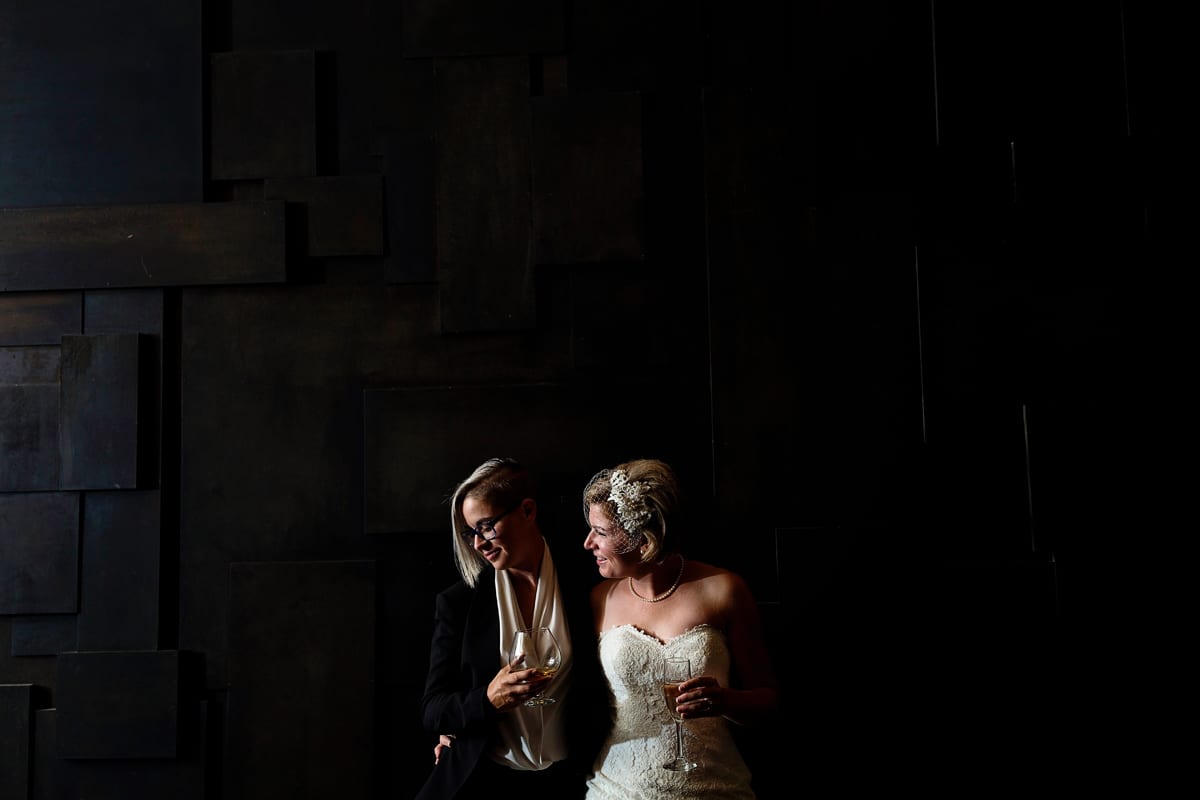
x: 274, y: 276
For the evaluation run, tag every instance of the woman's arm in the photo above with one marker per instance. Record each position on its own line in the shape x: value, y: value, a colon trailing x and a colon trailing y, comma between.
x: 753, y: 696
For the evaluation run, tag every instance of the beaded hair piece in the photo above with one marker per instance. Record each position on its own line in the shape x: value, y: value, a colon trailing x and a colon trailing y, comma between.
x: 627, y: 498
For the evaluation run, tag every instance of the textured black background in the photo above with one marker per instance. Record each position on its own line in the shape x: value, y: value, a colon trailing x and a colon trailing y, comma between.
x: 275, y: 275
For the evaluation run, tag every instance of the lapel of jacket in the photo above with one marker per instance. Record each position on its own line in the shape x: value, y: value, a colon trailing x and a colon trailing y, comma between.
x: 484, y: 627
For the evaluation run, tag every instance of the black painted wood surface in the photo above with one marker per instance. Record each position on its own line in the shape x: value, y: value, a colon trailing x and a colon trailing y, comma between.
x: 29, y: 459
x: 108, y: 430
x: 39, y: 553
x: 16, y: 734
x: 150, y: 245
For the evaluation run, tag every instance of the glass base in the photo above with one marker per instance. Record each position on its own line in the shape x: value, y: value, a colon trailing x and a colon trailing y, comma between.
x: 679, y: 765
x: 540, y: 701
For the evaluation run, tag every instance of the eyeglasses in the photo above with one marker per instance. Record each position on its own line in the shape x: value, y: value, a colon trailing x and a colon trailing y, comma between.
x: 486, y: 528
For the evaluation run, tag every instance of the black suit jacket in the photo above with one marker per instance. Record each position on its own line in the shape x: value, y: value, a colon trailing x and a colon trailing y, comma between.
x: 462, y: 662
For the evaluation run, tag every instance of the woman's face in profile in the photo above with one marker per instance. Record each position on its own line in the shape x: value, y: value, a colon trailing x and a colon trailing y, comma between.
x: 611, y: 546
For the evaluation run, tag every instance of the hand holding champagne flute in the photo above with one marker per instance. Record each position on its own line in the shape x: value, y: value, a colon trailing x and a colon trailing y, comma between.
x: 674, y: 672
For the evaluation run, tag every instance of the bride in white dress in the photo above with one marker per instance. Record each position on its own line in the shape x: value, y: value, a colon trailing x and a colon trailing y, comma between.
x: 656, y: 603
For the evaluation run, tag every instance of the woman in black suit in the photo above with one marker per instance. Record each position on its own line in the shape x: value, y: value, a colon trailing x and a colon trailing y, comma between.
x: 472, y: 692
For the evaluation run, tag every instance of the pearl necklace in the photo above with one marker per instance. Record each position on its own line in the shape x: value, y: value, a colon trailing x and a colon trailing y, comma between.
x: 658, y: 598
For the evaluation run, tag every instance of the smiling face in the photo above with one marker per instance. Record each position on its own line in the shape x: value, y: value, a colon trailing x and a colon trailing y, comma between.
x: 516, y: 544
x: 608, y: 543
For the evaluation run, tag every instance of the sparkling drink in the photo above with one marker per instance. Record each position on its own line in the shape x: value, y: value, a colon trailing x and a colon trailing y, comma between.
x: 671, y: 693
x: 674, y: 672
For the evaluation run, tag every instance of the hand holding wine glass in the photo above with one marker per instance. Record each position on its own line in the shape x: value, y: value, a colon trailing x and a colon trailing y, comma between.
x: 674, y: 672
x: 541, y: 652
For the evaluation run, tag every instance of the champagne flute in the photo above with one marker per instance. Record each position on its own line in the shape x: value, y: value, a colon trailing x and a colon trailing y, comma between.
x: 541, y: 652
x: 674, y: 672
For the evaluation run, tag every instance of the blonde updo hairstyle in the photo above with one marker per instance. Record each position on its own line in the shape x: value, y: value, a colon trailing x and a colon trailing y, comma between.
x: 639, y: 497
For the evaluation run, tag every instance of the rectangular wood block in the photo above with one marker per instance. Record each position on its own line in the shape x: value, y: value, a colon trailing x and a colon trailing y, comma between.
x: 301, y: 727
x: 39, y: 553
x: 39, y: 317
x: 108, y: 431
x: 264, y: 114
x: 119, y: 575
x: 142, y: 245
x: 16, y: 732
x: 409, y: 185
x: 123, y: 311
x: 484, y: 270
x: 587, y: 178
x: 101, y: 103
x: 28, y: 437
x: 54, y: 778
x: 344, y: 214
x: 43, y: 635
x: 408, y: 467
x: 182, y: 778
x: 119, y: 704
x: 482, y: 27
x: 37, y: 364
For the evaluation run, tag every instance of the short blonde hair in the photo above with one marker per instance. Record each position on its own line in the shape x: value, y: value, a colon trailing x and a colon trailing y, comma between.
x: 500, y: 482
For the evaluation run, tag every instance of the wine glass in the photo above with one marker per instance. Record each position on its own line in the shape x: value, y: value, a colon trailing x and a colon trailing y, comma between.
x: 674, y: 672
x: 541, y: 652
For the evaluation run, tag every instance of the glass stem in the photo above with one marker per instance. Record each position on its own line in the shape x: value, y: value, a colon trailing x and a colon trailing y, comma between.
x: 679, y: 740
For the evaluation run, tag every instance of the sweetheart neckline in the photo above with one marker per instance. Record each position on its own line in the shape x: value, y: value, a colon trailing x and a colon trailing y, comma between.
x: 652, y: 637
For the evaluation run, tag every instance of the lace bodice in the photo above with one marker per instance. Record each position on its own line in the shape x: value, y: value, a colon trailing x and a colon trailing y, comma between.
x: 629, y: 766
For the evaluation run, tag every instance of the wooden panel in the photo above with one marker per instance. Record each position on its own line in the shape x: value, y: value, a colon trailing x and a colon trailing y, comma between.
x: 343, y: 214
x: 186, y: 777
x: 292, y: 472
x: 123, y: 311
x: 264, y: 114
x: 319, y: 710
x: 43, y: 635
x: 772, y: 368
x: 107, y: 433
x: 102, y: 104
x: 39, y: 553
x: 119, y: 584
x: 280, y: 25
x: 587, y: 178
x: 412, y: 222
x: 54, y: 778
x: 156, y: 245
x: 29, y: 437
x: 482, y: 27
x: 484, y: 266
x: 181, y: 778
x: 29, y: 364
x: 407, y: 463
x: 39, y: 318
x: 119, y: 705
x: 16, y: 733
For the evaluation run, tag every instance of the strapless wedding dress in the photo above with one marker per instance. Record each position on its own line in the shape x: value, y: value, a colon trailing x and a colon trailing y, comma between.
x: 629, y: 766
